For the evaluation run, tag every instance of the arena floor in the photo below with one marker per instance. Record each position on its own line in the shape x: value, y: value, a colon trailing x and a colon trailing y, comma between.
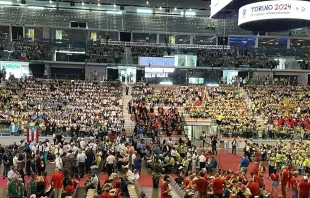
x: 225, y: 159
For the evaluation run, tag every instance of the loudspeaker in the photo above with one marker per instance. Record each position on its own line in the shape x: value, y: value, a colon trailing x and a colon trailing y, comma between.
x: 72, y: 3
x: 23, y: 1
x: 167, y: 10
x: 122, y: 8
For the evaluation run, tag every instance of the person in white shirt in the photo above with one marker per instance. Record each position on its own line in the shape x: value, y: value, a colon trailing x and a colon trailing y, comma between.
x: 81, y: 158
x: 13, y: 173
x: 15, y: 160
x: 110, y: 164
x: 45, y: 153
x: 58, y: 162
x: 58, y: 150
x: 194, y: 162
x: 133, y: 176
x: 202, y: 161
x: 82, y: 144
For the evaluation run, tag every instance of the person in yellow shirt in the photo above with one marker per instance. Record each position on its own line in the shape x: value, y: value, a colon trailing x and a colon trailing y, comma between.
x: 279, y: 160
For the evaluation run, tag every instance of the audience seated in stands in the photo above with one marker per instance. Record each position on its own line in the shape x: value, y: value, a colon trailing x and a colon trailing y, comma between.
x: 31, y: 50
x: 75, y: 107
x: 105, y: 53
x: 138, y: 51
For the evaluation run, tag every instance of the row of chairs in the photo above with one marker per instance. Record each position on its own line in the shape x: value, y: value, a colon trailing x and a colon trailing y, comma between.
x: 176, y: 190
x: 134, y: 190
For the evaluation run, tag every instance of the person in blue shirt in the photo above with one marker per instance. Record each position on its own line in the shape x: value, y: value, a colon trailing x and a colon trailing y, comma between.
x: 137, y: 163
x: 158, y: 150
x: 212, y: 165
x: 139, y: 147
x: 244, y: 164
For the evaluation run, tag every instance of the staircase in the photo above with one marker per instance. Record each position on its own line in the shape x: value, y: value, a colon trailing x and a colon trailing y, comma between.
x: 259, y: 119
x: 129, y: 124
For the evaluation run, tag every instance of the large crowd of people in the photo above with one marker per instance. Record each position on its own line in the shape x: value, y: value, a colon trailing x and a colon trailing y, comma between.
x: 105, y: 53
x: 138, y: 51
x: 233, y: 58
x: 27, y: 50
x: 63, y: 106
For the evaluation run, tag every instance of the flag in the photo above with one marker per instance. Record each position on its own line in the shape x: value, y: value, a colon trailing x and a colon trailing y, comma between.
x: 33, y: 134
x: 13, y: 128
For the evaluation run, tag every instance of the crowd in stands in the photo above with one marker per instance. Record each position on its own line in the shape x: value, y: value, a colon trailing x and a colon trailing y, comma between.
x: 267, y: 101
x: 138, y: 51
x: 105, y: 53
x: 225, y: 104
x: 233, y: 58
x: 150, y: 121
x: 31, y: 50
x: 58, y: 106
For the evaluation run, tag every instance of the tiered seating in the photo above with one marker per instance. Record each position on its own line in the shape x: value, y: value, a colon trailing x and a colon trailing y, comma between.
x: 147, y: 52
x: 267, y: 101
x: 233, y: 58
x: 9, y: 15
x: 62, y: 105
x: 105, y: 54
x: 31, y: 50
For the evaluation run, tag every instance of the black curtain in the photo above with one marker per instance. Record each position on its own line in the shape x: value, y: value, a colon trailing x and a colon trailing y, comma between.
x: 112, y: 74
x: 68, y: 73
x: 140, y: 75
x: 37, y: 70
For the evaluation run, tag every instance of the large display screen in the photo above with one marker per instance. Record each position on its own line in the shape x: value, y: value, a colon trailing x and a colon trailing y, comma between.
x: 218, y: 5
x: 274, y: 10
x: 157, y: 61
x: 16, y: 69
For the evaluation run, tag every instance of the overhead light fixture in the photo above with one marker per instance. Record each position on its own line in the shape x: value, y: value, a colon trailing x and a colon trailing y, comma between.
x: 5, y: 3
x: 114, y: 5
x: 190, y: 9
x: 147, y: 2
x: 160, y: 8
x: 82, y: 3
x: 51, y: 1
x: 175, y: 8
x: 98, y: 4
x: 190, y: 13
x: 144, y: 11
x: 114, y: 12
x: 36, y: 7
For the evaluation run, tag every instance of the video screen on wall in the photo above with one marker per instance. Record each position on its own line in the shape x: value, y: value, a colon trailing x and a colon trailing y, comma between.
x: 16, y: 69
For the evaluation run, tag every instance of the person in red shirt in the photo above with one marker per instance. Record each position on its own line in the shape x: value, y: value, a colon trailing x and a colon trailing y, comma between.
x: 304, y: 188
x: 284, y: 181
x: 202, y: 185
x: 56, y: 181
x: 255, y: 168
x: 164, y: 189
x: 294, y: 185
x: 218, y: 184
x: 254, y: 188
x: 69, y: 188
x: 106, y: 194
x: 275, y: 178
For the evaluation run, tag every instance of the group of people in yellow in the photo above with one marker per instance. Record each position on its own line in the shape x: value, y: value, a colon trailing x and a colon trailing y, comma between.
x: 62, y: 105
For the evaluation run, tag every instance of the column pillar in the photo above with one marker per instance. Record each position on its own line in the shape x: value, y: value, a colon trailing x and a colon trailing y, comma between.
x: 191, y: 39
x: 288, y: 43
x: 157, y: 38
x: 256, y: 42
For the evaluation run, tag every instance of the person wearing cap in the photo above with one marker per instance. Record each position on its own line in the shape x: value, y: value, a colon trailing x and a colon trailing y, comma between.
x: 304, y: 188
